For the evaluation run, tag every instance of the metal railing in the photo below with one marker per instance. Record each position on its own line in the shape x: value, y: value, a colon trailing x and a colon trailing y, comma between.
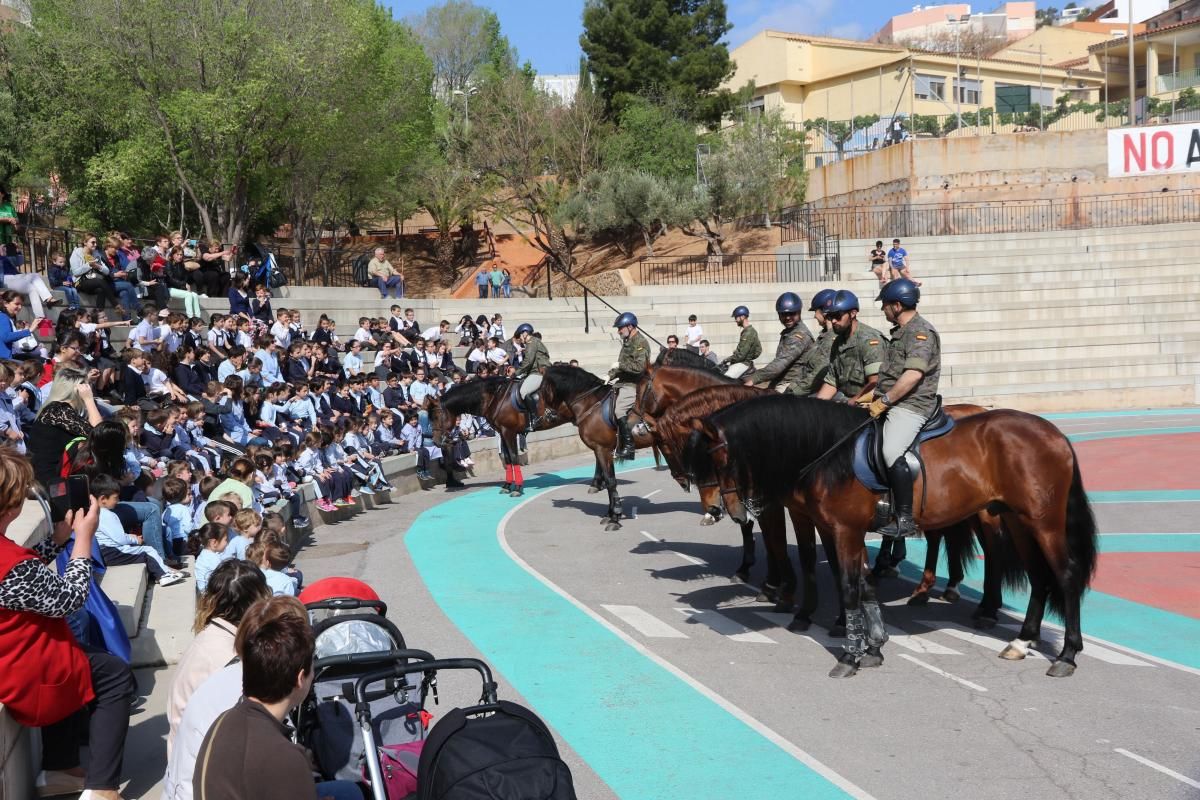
x: 740, y: 268
x: 1174, y: 81
x: 1018, y: 216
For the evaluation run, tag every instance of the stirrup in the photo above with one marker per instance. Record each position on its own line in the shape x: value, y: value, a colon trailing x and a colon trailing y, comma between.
x: 899, y: 528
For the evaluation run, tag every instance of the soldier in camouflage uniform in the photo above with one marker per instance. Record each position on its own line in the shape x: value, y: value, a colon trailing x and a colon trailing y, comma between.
x: 907, y: 392
x: 533, y: 365
x: 748, y: 347
x: 789, y: 370
x: 634, y: 358
x: 857, y: 351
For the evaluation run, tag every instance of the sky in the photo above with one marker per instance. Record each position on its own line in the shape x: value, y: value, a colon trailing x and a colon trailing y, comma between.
x: 546, y: 32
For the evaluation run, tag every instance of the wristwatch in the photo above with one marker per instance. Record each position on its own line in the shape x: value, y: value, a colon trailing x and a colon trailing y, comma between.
x: 883, y: 398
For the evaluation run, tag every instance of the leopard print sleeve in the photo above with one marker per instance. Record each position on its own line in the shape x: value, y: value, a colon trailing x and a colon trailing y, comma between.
x: 33, y: 586
x: 47, y: 550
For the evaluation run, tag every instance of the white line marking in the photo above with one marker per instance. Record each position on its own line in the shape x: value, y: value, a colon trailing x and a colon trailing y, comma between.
x: 644, y: 622
x: 815, y: 634
x: 648, y: 496
x: 918, y: 643
x: 959, y: 632
x: 1158, y: 767
x: 1092, y: 650
x: 779, y: 741
x: 725, y: 626
x: 686, y: 558
x: 943, y: 673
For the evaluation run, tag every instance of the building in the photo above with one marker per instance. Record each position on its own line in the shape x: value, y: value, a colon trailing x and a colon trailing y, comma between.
x: 1060, y: 45
x: 1166, y: 60
x: 926, y: 25
x: 1118, y: 10
x: 564, y: 87
x: 814, y: 77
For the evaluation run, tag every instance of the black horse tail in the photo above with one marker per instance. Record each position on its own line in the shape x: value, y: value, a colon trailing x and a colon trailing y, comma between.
x: 1081, y: 543
x: 1014, y: 572
x: 960, y: 548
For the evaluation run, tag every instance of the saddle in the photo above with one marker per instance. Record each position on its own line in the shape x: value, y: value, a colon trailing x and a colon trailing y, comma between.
x: 868, y: 458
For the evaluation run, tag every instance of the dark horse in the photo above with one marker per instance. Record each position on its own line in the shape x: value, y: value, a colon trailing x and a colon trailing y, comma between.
x: 1009, y: 463
x: 490, y: 398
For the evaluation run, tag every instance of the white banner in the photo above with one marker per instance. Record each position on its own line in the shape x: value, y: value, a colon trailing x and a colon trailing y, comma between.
x: 1159, y: 150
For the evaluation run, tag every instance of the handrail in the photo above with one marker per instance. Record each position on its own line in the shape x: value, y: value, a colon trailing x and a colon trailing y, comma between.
x: 550, y: 268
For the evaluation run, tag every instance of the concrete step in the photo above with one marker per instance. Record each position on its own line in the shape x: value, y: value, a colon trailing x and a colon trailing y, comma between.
x: 1126, y: 234
x: 126, y: 586
x: 1083, y: 395
x: 167, y: 629
x: 1008, y: 374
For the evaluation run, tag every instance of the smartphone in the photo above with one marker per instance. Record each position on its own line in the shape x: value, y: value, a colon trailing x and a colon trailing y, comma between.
x: 72, y: 494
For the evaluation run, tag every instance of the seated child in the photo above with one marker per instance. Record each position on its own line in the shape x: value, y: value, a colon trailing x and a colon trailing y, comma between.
x: 246, y: 525
x: 214, y: 538
x: 119, y: 547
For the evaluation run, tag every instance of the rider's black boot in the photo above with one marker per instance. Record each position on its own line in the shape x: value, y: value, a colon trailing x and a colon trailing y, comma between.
x: 531, y: 413
x: 902, y: 496
x: 625, y: 450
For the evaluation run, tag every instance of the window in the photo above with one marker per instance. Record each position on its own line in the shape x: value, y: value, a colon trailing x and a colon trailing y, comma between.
x: 929, y: 87
x: 1044, y: 95
x: 967, y: 91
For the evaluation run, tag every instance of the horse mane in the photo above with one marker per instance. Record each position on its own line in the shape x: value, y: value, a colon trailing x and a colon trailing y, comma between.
x: 674, y: 426
x: 569, y: 382
x: 686, y: 358
x: 469, y: 397
x: 760, y: 430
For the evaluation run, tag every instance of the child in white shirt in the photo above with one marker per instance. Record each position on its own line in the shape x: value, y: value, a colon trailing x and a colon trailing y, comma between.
x: 178, y: 521
x: 246, y: 525
x: 272, y: 556
x: 119, y: 547
x: 213, y: 539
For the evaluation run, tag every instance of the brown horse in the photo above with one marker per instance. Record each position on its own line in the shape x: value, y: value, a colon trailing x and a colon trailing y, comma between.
x: 490, y: 398
x: 1018, y: 466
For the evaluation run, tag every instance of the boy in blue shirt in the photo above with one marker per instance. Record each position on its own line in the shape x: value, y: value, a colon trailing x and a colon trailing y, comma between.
x: 119, y: 547
x: 60, y: 278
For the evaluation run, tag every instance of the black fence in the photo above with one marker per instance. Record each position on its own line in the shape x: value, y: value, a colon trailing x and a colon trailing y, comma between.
x: 741, y: 268
x: 1017, y: 216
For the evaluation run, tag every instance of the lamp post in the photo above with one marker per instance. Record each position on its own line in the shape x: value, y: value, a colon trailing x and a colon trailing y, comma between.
x: 466, y: 96
x: 958, y: 22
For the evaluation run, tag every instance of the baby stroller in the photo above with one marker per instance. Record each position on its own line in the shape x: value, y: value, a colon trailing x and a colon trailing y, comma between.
x: 355, y: 638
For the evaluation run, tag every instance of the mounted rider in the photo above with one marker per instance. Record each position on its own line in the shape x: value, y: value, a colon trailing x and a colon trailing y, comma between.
x: 632, y: 362
x: 533, y: 365
x: 857, y: 351
x: 748, y: 347
x: 790, y: 369
x: 906, y: 393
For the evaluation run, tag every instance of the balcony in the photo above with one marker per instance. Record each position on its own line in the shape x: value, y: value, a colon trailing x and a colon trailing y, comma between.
x: 1174, y: 81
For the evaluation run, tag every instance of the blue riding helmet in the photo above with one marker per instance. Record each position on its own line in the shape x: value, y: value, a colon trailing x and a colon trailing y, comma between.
x: 844, y: 300
x: 821, y: 298
x: 740, y: 311
x: 789, y: 303
x: 902, y: 291
x: 626, y: 318
x: 524, y: 327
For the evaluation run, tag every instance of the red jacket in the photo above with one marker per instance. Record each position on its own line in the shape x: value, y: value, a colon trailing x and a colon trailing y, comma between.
x: 44, y: 675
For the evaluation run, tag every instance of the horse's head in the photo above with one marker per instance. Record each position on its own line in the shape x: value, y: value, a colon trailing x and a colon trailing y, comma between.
x: 712, y: 468
x: 440, y: 419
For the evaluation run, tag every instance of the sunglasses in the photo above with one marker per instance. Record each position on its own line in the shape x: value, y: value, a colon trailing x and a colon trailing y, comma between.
x: 834, y: 316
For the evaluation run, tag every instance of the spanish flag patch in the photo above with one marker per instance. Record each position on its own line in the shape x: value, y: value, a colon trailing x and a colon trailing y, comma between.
x: 921, y: 337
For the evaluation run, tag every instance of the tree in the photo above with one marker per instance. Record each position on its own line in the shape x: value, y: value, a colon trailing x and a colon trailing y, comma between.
x: 248, y: 116
x: 625, y: 205
x: 450, y: 193
x: 534, y: 151
x: 465, y: 44
x: 671, y: 46
x: 651, y: 137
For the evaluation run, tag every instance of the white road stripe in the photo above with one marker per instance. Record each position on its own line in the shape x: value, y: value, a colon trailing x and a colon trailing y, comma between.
x: 651, y: 494
x: 1158, y: 767
x: 959, y: 632
x: 918, y: 643
x: 651, y: 537
x: 644, y: 622
x: 1090, y: 649
x: 815, y: 634
x: 725, y: 626
x: 686, y: 558
x: 780, y: 741
x: 943, y: 673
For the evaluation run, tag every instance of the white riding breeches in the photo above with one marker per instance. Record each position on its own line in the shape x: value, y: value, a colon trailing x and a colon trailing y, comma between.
x: 737, y: 370
x: 531, y: 384
x: 626, y: 396
x: 900, y: 428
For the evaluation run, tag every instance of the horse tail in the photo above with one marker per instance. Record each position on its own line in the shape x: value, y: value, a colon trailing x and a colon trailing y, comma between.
x: 960, y: 548
x: 1081, y: 542
x: 1013, y: 571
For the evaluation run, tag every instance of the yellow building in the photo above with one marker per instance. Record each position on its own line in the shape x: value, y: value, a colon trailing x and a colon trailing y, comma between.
x: 1166, y: 62
x: 807, y: 77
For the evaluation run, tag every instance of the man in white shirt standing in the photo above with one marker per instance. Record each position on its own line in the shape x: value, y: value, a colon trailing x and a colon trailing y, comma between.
x: 692, y: 334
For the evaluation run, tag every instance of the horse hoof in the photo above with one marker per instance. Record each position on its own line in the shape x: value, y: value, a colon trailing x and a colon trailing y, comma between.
x: 918, y: 599
x: 1013, y: 653
x: 872, y: 658
x: 1061, y: 669
x: 951, y: 595
x: 837, y: 632
x: 799, y: 624
x: 782, y: 607
x: 767, y: 594
x: 505, y: 489
x: 593, y: 489
x: 843, y: 669
x: 612, y: 526
x: 984, y: 623
x: 707, y: 520
x: 740, y: 577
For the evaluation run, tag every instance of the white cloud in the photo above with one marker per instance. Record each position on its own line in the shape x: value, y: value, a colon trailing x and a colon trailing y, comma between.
x: 807, y: 16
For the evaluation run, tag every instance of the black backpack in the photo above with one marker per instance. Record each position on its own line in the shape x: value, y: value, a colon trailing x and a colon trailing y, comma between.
x: 359, y: 270
x: 499, y: 751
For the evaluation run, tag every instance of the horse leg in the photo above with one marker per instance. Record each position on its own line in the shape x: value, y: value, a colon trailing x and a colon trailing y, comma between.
x: 612, y: 520
x: 742, y: 575
x: 806, y: 543
x: 851, y: 557
x: 986, y: 615
x: 829, y: 546
x: 1050, y: 536
x: 658, y: 457
x: 597, y: 479
x: 933, y: 543
x: 876, y: 632
x: 774, y: 531
x: 951, y: 594
x: 507, y: 458
x: 1039, y: 588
